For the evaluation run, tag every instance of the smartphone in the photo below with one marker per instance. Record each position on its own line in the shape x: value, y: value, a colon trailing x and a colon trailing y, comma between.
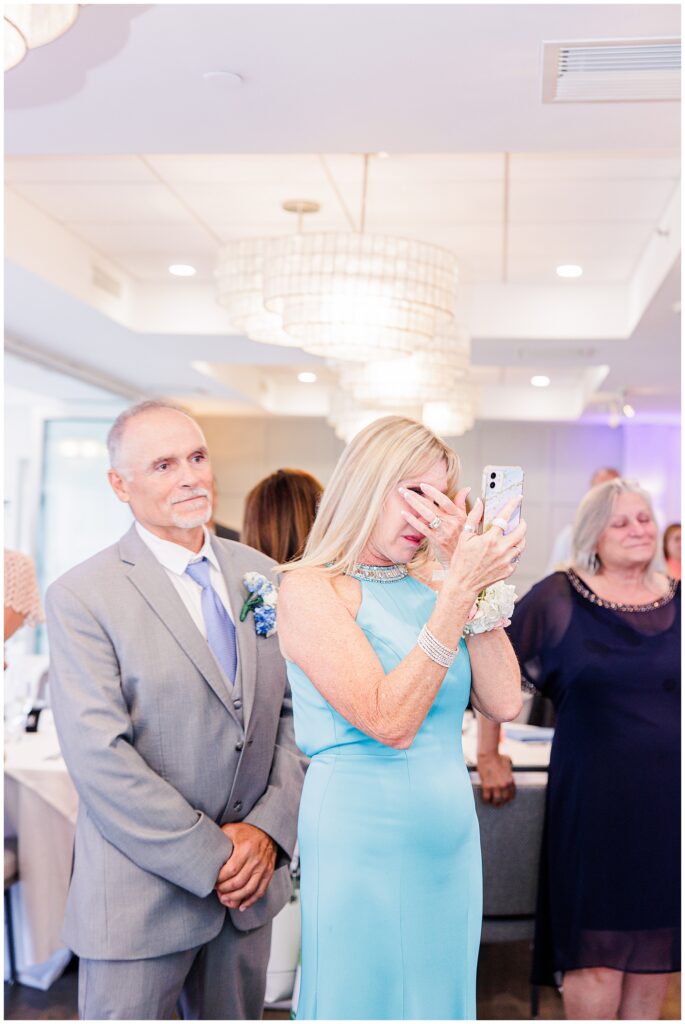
x: 500, y: 484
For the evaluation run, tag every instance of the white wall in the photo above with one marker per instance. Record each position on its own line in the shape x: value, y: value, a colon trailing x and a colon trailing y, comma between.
x: 558, y: 460
x: 26, y: 412
x: 23, y: 448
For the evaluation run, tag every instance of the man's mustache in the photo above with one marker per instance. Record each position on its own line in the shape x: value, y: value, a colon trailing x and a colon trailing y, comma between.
x: 199, y: 492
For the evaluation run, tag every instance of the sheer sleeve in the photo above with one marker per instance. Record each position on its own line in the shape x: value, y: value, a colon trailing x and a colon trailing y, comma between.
x: 21, y: 587
x: 538, y: 625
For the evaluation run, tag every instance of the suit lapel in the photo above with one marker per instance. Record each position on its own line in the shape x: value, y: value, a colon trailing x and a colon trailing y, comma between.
x: 246, y: 637
x: 151, y: 580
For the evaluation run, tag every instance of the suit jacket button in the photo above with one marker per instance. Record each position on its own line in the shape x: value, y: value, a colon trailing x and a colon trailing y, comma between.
x: 238, y: 805
x: 237, y: 704
x: 239, y: 746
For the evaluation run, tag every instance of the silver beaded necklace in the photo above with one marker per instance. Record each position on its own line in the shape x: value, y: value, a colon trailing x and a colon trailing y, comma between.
x: 590, y: 595
x: 379, y: 573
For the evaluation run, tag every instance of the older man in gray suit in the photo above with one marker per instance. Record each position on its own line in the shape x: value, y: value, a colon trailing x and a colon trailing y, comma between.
x: 175, y: 722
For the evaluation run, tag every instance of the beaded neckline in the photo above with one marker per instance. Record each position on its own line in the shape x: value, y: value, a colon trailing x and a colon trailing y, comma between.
x: 379, y: 573
x: 590, y: 595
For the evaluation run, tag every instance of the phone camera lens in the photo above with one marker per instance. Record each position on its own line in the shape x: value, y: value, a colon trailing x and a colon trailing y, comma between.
x: 492, y: 484
x: 493, y: 475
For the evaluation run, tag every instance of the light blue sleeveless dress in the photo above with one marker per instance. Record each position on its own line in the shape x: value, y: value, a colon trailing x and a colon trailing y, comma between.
x: 391, y: 883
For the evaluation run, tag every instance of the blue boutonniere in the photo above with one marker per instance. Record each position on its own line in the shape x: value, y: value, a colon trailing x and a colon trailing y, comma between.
x: 262, y: 600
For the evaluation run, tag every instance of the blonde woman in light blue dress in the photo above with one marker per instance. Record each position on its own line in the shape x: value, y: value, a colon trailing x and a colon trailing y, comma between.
x: 371, y: 627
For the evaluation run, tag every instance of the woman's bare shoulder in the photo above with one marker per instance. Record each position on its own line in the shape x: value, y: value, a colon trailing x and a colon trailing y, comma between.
x: 303, y: 580
x: 311, y: 583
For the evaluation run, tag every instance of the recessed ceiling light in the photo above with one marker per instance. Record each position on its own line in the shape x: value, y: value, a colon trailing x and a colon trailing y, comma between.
x: 202, y: 367
x: 628, y: 411
x: 540, y: 381
x: 306, y: 377
x: 182, y: 270
x: 569, y: 270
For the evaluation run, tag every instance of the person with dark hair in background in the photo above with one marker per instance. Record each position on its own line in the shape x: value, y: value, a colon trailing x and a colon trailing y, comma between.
x: 279, y: 512
x: 672, y: 550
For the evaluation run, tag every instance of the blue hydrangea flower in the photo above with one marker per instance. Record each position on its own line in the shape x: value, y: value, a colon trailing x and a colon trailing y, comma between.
x: 265, y: 620
x: 261, y: 600
x: 254, y: 582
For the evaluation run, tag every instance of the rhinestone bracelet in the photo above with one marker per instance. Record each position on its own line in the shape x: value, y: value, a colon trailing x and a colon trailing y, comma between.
x: 436, y: 651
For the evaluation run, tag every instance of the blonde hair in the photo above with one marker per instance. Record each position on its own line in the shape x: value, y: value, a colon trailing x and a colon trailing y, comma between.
x: 388, y: 450
x: 592, y: 519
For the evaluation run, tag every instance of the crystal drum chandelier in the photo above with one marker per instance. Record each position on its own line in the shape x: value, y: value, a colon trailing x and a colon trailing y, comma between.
x: 430, y: 375
x: 240, y: 285
x: 348, y: 417
x: 30, y: 25
x: 454, y: 417
x: 353, y: 296
x: 341, y: 295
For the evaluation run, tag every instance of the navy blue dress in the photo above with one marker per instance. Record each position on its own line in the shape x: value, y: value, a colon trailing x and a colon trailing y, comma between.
x: 609, y: 890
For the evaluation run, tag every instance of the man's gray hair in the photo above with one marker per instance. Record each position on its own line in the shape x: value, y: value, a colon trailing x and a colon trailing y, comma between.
x: 117, y: 429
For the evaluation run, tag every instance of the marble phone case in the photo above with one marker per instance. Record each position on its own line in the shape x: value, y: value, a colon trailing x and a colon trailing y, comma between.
x: 508, y: 482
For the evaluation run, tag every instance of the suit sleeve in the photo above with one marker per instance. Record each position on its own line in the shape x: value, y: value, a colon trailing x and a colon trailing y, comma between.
x: 276, y: 811
x: 133, y: 807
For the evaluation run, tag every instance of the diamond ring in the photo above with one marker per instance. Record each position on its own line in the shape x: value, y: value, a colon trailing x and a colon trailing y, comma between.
x: 469, y: 528
x: 501, y: 522
x: 435, y: 523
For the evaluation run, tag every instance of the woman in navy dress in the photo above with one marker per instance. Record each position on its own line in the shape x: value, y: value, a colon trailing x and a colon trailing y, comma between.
x: 602, y: 640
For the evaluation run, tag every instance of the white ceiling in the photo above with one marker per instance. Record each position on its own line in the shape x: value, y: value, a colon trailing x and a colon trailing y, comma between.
x: 512, y: 220
x: 336, y: 78
x: 119, y: 154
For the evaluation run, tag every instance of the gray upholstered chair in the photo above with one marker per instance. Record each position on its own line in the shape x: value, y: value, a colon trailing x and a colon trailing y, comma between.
x: 11, y: 876
x: 511, y: 837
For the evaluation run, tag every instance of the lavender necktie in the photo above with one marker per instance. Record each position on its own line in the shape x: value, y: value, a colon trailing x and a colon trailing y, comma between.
x: 220, y: 629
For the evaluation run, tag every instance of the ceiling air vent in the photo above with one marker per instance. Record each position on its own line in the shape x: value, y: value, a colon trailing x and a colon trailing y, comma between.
x: 611, y: 71
x: 101, y: 279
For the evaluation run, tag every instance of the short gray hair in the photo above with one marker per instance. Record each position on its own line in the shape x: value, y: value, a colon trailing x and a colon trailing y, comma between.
x: 592, y: 518
x: 117, y: 429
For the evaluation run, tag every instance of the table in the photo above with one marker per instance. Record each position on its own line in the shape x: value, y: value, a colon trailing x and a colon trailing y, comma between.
x: 531, y: 755
x: 41, y: 805
x: 40, y: 810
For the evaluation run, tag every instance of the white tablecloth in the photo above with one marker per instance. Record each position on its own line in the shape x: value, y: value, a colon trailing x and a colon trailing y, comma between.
x: 527, y: 755
x: 40, y: 810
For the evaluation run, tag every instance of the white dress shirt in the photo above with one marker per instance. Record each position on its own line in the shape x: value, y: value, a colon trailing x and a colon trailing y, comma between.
x: 175, y: 560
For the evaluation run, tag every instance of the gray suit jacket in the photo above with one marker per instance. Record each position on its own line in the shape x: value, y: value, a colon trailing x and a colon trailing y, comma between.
x: 160, y: 756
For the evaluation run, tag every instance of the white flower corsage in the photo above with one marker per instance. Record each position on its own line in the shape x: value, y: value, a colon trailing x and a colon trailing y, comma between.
x: 492, y: 609
x: 262, y: 600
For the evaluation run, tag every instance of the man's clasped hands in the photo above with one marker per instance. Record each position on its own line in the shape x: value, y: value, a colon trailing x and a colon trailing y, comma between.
x: 246, y: 874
